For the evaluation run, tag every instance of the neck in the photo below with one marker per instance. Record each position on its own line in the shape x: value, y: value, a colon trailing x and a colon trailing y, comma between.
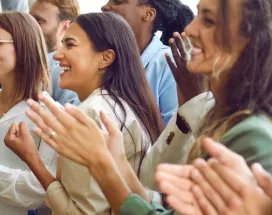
x: 143, y: 38
x: 7, y: 99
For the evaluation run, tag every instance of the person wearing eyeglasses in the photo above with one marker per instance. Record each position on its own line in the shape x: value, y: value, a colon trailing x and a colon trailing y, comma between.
x: 23, y: 70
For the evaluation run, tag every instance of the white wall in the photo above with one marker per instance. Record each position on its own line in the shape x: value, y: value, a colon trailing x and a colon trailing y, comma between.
x: 95, y: 5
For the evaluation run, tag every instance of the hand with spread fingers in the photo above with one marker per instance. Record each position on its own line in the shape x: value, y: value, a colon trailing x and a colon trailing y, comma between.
x: 73, y: 134
x: 19, y: 140
x: 189, y: 85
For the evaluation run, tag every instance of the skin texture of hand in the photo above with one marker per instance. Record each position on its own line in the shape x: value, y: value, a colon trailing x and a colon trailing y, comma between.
x: 222, y: 191
x: 189, y: 85
x: 173, y: 180
x: 263, y: 178
x: 225, y: 184
x: 184, y: 179
x: 19, y: 140
x: 77, y: 136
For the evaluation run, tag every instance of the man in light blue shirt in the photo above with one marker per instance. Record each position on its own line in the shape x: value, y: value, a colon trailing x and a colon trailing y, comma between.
x: 15, y: 5
x: 160, y: 78
x: 146, y: 17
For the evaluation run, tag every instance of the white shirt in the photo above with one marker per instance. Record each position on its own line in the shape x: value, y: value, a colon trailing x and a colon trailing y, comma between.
x: 20, y: 190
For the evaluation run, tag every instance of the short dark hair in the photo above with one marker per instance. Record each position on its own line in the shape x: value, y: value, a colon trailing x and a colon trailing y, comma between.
x: 172, y: 16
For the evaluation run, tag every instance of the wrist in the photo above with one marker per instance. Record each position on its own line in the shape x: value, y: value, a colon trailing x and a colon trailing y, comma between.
x: 31, y: 157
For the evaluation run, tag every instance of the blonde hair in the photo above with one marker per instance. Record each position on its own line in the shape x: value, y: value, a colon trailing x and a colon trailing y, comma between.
x: 68, y: 9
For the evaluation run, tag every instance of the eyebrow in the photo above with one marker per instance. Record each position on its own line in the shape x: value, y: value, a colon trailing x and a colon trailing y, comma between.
x: 38, y: 17
x: 206, y: 10
x: 67, y: 39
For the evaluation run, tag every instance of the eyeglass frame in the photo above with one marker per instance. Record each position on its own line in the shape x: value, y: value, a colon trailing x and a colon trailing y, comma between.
x: 6, y: 41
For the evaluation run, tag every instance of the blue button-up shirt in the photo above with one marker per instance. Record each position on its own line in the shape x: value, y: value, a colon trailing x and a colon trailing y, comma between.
x: 160, y: 78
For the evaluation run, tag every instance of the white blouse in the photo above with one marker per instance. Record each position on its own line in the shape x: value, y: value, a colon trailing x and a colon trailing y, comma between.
x: 20, y: 190
x: 77, y: 192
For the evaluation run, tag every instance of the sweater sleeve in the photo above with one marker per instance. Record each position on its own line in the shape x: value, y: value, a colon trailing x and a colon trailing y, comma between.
x: 135, y: 205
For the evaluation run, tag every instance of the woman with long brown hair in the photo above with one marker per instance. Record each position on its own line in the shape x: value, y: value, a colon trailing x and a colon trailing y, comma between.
x: 23, y: 74
x: 102, y: 65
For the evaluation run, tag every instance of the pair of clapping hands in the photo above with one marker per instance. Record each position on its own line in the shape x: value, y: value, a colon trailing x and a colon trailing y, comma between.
x: 222, y: 185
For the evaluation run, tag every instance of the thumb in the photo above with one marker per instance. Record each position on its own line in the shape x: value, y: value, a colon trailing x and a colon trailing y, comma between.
x: 263, y: 178
x: 24, y: 131
x: 221, y: 153
x: 11, y: 132
x: 110, y: 125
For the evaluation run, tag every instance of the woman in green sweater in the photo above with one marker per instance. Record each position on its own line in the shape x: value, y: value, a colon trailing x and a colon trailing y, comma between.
x: 232, y: 47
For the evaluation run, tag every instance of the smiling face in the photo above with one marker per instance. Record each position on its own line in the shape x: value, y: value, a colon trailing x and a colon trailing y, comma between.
x: 209, y: 54
x: 79, y: 62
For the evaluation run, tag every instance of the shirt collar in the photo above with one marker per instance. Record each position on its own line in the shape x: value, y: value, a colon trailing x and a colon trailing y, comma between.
x: 18, y: 109
x: 151, y: 50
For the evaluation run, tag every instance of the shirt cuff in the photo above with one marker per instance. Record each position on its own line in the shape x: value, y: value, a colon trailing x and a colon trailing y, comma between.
x: 135, y: 205
x: 195, y: 109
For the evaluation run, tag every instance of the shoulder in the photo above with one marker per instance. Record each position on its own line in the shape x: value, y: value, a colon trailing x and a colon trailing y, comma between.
x: 252, y: 138
x: 102, y: 101
x: 257, y: 124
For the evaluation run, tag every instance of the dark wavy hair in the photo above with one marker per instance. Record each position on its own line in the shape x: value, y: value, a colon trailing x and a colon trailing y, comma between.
x: 172, y: 16
x: 125, y: 78
x: 248, y: 88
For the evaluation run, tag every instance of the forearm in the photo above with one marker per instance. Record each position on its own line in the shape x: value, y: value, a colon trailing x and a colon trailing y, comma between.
x: 43, y: 175
x: 131, y: 179
x: 110, y: 181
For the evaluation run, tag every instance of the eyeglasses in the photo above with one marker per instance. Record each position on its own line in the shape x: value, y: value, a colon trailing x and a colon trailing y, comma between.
x: 6, y: 41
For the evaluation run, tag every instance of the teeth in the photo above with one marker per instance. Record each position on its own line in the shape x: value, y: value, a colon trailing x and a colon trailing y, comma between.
x: 196, y: 50
x: 65, y: 68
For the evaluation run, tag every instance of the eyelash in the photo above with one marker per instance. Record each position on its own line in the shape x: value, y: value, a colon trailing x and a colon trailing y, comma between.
x: 117, y: 2
x: 208, y: 21
x: 69, y: 45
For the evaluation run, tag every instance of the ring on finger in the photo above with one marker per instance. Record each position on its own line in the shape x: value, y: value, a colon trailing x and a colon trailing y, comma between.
x: 52, y: 134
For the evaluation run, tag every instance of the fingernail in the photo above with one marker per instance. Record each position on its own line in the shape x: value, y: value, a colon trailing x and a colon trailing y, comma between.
x: 199, y: 163
x: 258, y: 167
x: 195, y: 174
x: 30, y: 102
x: 69, y: 106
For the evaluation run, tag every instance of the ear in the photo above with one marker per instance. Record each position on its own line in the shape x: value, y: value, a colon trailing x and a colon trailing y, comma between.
x: 108, y: 57
x: 149, y: 14
x: 66, y: 25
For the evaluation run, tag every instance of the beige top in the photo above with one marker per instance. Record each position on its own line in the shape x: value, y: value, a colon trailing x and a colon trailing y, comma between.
x: 77, y: 192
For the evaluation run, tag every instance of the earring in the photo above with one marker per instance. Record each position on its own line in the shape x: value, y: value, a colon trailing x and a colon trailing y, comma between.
x: 100, y: 71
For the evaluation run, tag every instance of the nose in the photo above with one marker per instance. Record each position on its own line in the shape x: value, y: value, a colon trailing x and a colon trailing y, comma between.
x: 191, y: 30
x: 106, y: 7
x: 59, y: 54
